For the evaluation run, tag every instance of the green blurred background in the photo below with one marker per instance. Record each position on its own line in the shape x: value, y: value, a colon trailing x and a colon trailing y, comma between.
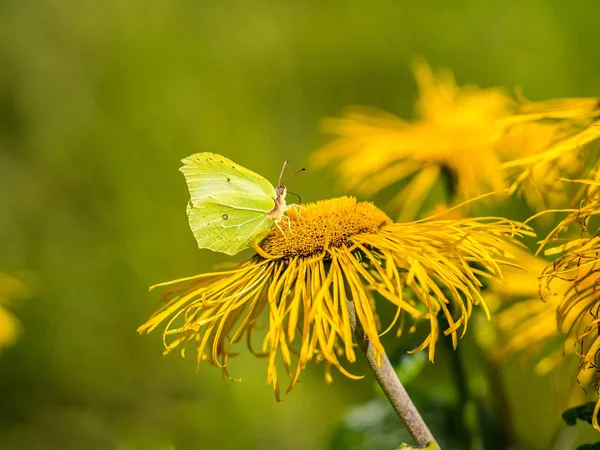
x: 99, y: 101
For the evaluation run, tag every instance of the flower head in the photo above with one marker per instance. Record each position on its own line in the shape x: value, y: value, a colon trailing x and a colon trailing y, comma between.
x: 578, y: 314
x: 576, y: 271
x: 476, y: 140
x: 572, y: 125
x: 305, y: 274
x: 454, y: 134
x: 525, y: 313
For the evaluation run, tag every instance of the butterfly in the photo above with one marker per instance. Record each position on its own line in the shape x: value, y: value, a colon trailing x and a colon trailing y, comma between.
x: 230, y: 206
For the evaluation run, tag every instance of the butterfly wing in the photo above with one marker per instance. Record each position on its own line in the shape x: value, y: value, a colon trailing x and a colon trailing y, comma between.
x: 214, y: 176
x: 224, y: 229
x: 229, y: 204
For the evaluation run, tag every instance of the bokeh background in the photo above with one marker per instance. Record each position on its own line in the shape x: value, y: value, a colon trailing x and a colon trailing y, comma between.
x: 99, y: 101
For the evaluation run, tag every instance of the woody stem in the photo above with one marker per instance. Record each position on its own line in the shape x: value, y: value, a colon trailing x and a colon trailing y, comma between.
x: 390, y: 384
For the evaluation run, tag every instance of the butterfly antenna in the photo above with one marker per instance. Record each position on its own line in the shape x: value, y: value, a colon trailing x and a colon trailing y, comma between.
x: 293, y: 193
x: 302, y: 169
x: 285, y: 163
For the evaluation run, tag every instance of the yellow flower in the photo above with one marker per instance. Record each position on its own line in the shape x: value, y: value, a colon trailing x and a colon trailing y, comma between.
x: 578, y: 312
x: 539, y: 188
x: 578, y: 268
x: 455, y: 134
x: 10, y: 328
x: 579, y: 216
x: 305, y: 274
x: 525, y: 313
x: 573, y: 124
x: 480, y: 140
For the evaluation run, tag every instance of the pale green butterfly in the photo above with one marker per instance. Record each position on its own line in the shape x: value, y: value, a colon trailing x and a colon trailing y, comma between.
x: 230, y: 206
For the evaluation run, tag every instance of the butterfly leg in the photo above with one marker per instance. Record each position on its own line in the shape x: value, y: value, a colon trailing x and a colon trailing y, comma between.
x: 280, y: 230
x: 289, y: 224
x: 297, y: 209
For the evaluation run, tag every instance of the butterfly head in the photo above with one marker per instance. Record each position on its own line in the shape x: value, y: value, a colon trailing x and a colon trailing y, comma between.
x: 281, y: 191
x: 279, y: 209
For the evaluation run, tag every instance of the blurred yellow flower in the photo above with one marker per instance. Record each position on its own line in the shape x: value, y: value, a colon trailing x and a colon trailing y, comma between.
x: 579, y: 215
x: 525, y: 313
x: 334, y: 252
x: 10, y: 328
x: 576, y: 274
x: 578, y: 313
x: 480, y: 139
x: 573, y: 124
x: 540, y: 188
x: 455, y: 133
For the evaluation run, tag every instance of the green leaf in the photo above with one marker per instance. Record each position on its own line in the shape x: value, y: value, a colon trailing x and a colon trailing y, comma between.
x: 375, y: 426
x: 370, y: 426
x: 595, y: 446
x: 583, y: 412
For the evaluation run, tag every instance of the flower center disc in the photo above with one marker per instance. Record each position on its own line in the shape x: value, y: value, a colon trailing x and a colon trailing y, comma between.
x: 315, y: 227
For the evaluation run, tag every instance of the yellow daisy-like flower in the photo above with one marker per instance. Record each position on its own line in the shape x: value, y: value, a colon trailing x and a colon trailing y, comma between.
x: 525, y: 313
x: 328, y: 265
x: 10, y: 328
x: 573, y: 124
x: 578, y: 313
x: 540, y: 188
x: 578, y: 269
x: 480, y: 139
x: 455, y: 134
x: 588, y: 191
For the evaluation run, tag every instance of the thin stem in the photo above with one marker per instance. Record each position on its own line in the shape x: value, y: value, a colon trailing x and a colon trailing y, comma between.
x: 468, y: 408
x: 391, y: 385
x: 501, y: 404
x: 458, y: 370
x: 499, y: 400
